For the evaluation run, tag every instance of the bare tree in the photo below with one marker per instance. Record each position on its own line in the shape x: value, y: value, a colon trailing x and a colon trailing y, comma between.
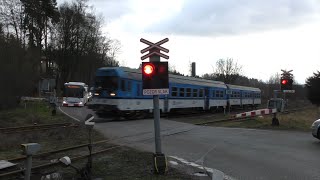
x: 12, y: 15
x: 274, y: 79
x: 80, y: 48
x: 227, y: 70
x: 172, y: 70
x: 114, y: 48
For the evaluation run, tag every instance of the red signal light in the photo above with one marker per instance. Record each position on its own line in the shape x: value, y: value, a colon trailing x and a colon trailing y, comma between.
x: 148, y: 69
x: 284, y: 81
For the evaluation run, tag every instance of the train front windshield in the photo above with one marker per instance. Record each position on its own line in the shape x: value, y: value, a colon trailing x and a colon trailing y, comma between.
x: 106, y: 82
x: 73, y: 91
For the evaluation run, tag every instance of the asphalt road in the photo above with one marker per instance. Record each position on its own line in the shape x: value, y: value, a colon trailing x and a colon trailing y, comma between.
x: 240, y: 153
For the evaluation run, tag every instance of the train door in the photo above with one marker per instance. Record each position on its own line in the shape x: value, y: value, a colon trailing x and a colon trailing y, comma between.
x: 166, y: 103
x: 206, y: 98
x: 253, y: 95
x: 241, y: 97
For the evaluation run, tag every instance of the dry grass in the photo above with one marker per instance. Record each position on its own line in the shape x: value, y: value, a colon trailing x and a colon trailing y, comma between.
x: 51, y: 139
x: 300, y: 120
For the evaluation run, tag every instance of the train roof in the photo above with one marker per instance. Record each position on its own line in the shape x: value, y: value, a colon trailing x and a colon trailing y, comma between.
x: 243, y: 88
x: 136, y: 75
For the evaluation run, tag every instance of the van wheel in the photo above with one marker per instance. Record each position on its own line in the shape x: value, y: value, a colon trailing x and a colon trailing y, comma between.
x: 318, y: 133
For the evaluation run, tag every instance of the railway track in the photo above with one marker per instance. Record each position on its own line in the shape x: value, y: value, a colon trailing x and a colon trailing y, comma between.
x: 36, y: 127
x: 55, y: 161
x: 248, y: 118
x: 217, y: 115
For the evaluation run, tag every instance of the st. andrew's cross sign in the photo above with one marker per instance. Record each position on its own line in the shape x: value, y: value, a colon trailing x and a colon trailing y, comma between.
x: 154, y: 48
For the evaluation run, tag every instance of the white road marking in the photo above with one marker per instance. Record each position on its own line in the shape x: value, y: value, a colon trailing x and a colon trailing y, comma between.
x: 68, y: 114
x: 200, y: 174
x: 173, y: 162
x: 216, y: 174
x: 201, y: 159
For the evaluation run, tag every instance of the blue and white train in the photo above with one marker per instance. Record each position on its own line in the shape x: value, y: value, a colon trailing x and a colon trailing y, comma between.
x: 119, y: 90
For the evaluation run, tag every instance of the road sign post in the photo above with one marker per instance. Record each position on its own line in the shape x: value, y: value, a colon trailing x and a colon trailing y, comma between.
x: 159, y: 159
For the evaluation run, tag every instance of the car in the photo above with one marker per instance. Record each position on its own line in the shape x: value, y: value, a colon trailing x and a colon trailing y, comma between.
x: 316, y: 129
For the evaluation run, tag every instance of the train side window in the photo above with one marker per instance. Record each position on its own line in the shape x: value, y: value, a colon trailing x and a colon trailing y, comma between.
x: 214, y: 93
x: 123, y: 85
x: 181, y: 92
x: 217, y: 94
x: 201, y: 93
x: 174, y: 91
x: 129, y: 86
x: 188, y: 92
x: 195, y: 92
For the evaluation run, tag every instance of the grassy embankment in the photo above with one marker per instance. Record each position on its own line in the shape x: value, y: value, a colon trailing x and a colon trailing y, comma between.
x: 300, y: 120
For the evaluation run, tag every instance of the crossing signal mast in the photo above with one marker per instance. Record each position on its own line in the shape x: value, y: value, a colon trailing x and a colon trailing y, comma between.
x: 286, y: 81
x: 155, y: 82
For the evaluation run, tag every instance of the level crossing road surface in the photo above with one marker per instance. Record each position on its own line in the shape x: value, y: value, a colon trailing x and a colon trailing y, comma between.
x: 247, y: 154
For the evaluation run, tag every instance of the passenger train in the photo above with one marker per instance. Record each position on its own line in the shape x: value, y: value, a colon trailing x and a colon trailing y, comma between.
x: 119, y: 90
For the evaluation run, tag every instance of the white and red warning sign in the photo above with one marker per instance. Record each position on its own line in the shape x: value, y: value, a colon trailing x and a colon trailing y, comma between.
x: 155, y: 91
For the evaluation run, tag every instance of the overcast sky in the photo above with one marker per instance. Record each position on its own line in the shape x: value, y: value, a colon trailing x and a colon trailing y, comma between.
x: 264, y: 36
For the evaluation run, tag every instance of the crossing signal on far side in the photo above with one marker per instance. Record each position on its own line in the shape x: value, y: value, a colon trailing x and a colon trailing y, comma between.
x: 155, y: 75
x: 286, y: 84
x: 286, y: 81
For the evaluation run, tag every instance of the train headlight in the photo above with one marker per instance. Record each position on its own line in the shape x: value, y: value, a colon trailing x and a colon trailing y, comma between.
x: 64, y: 102
x: 96, y: 94
x: 112, y: 94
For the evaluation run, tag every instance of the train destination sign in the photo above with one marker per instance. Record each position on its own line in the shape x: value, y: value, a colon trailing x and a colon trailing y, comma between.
x: 155, y: 91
